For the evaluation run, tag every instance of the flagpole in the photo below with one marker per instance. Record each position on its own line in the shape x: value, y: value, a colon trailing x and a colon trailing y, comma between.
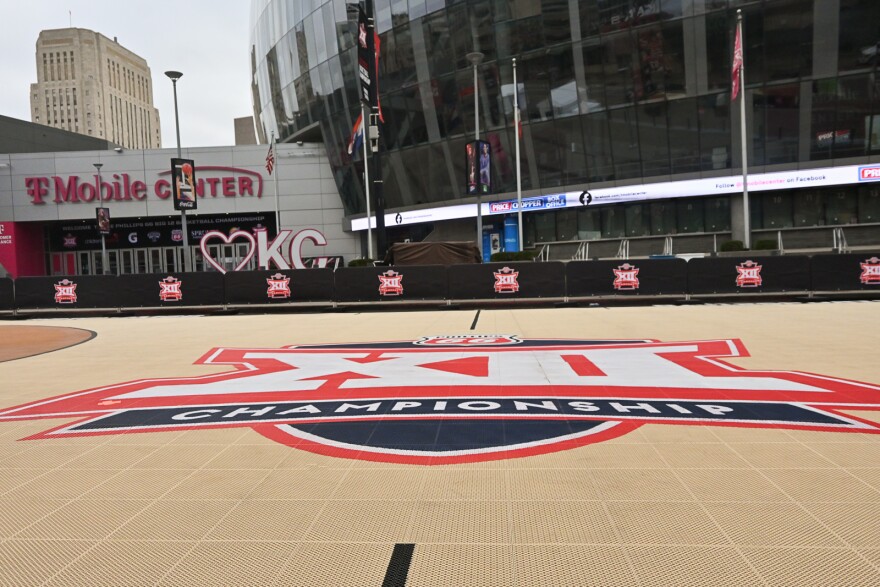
x: 275, y: 175
x: 743, y: 137
x: 519, y: 224
x: 367, y: 182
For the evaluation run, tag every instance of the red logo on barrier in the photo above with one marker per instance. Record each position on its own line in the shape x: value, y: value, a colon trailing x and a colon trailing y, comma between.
x: 506, y: 280
x: 170, y: 289
x: 65, y: 292
x: 279, y: 286
x: 70, y: 241
x: 870, y: 271
x: 391, y: 283
x: 749, y: 274
x: 458, y: 400
x: 626, y: 277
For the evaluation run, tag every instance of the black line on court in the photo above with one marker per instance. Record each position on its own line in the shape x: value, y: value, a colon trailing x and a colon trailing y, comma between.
x: 398, y: 566
x: 474, y: 323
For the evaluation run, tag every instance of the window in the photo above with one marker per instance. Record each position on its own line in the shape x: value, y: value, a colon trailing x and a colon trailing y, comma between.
x: 841, y: 206
x: 689, y: 215
x: 776, y: 210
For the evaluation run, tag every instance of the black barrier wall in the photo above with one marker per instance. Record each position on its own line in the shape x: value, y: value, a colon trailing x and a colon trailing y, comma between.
x: 7, y: 294
x: 652, y: 277
x: 523, y: 280
x: 279, y: 287
x: 391, y: 284
x: 851, y: 272
x: 506, y: 281
x: 171, y: 289
x: 748, y: 275
x: 66, y: 293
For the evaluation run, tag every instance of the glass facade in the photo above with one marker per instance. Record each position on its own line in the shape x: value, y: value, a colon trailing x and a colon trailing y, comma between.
x: 609, y: 90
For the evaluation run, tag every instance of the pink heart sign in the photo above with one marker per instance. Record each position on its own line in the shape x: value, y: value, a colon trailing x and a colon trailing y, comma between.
x: 241, y: 234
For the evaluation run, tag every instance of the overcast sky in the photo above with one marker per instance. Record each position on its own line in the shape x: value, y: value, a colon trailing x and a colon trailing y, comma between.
x: 207, y: 40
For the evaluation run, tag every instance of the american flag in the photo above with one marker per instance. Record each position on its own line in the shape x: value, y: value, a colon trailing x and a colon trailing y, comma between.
x: 270, y: 159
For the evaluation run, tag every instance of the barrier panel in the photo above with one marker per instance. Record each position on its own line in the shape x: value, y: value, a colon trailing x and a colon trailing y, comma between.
x: 650, y: 277
x: 747, y: 275
x: 850, y: 272
x: 506, y: 281
x: 171, y: 289
x: 279, y: 287
x: 391, y: 284
x: 68, y: 292
x: 7, y: 294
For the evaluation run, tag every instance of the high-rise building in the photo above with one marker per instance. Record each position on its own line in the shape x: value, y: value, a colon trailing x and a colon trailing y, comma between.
x: 244, y: 131
x: 627, y: 101
x: 89, y: 84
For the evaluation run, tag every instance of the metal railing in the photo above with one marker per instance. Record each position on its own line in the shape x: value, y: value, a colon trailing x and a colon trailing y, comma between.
x: 543, y: 254
x: 583, y: 252
x: 623, y: 249
x: 839, y: 240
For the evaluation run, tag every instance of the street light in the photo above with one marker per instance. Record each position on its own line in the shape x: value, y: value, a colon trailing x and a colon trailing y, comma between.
x: 104, y: 264
x: 174, y: 76
x: 476, y: 58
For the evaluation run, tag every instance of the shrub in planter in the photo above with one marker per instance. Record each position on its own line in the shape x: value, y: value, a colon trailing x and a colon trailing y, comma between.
x: 732, y: 246
x: 512, y: 256
x: 360, y: 263
x: 766, y: 245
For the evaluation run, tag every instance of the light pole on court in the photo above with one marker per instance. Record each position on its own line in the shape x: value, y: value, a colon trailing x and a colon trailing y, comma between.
x: 476, y: 58
x: 104, y: 264
x: 174, y: 76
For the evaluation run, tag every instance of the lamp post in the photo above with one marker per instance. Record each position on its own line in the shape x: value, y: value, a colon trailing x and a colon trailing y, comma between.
x: 104, y: 261
x: 476, y: 58
x: 174, y: 76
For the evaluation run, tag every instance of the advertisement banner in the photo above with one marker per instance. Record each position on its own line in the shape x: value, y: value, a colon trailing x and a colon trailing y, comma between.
x: 365, y: 56
x: 629, y: 278
x: 849, y: 272
x: 390, y: 284
x: 749, y: 274
x: 171, y: 289
x: 103, y: 217
x: 279, y: 286
x: 183, y: 184
x: 7, y: 297
x: 134, y: 233
x: 506, y: 280
x: 479, y: 168
x: 69, y: 292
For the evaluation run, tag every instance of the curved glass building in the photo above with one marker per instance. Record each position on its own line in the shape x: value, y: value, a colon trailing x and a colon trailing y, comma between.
x: 612, y: 93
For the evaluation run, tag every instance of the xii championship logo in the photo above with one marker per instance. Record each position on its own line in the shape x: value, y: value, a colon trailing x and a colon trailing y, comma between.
x: 456, y: 399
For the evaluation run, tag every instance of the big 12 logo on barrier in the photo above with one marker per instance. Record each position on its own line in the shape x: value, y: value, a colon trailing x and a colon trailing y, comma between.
x: 279, y: 287
x: 870, y: 271
x: 170, y: 289
x: 748, y: 274
x: 626, y: 277
x: 506, y: 280
x: 455, y: 399
x: 390, y: 283
x: 65, y: 292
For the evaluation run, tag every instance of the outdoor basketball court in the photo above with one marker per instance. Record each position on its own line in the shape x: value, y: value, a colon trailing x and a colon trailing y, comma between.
x: 668, y: 445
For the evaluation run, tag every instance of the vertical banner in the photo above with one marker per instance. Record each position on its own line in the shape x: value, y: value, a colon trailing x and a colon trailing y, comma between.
x: 183, y: 184
x: 365, y: 56
x: 478, y: 155
x: 103, y: 217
